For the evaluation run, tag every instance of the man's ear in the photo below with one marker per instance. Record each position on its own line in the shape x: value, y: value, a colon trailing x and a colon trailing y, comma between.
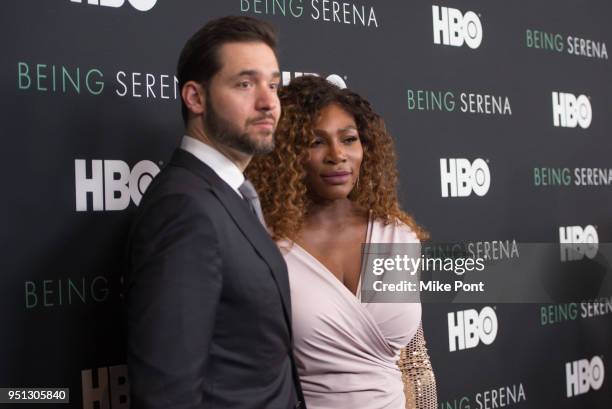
x: 194, y: 97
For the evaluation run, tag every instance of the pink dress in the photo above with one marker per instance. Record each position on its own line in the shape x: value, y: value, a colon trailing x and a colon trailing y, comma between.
x: 346, y: 350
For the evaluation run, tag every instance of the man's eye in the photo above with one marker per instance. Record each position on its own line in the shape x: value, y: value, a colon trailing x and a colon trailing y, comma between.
x: 244, y: 84
x: 274, y: 86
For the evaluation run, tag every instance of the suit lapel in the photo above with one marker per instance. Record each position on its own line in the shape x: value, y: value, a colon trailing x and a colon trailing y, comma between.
x: 246, y: 221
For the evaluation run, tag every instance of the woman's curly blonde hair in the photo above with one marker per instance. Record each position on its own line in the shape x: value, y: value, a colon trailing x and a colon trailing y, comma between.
x: 279, y: 176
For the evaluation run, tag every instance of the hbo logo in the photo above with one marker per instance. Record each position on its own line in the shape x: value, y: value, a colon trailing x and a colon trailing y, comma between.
x: 335, y: 79
x: 111, y: 391
x: 111, y: 184
x: 141, y: 5
x: 577, y: 242
x: 569, y: 111
x: 469, y: 328
x: 453, y: 28
x: 460, y: 178
x: 583, y: 375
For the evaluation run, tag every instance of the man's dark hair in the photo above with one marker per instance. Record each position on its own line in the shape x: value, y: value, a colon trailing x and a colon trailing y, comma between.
x: 199, y: 60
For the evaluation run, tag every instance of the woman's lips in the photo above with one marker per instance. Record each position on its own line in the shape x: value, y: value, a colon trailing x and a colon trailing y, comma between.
x: 336, y: 178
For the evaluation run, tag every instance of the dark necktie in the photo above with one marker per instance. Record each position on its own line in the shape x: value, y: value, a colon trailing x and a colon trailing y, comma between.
x: 250, y: 195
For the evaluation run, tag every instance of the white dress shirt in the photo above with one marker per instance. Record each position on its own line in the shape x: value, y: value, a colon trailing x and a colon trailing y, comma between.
x: 218, y: 162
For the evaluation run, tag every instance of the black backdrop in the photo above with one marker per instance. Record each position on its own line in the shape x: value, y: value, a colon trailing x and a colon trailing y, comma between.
x: 90, y: 111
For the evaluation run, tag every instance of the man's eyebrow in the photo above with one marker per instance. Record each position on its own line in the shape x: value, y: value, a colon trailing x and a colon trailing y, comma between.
x: 255, y: 73
x: 247, y: 73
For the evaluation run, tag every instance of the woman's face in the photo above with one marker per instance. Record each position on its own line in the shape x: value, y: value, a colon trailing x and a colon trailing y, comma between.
x: 335, y: 155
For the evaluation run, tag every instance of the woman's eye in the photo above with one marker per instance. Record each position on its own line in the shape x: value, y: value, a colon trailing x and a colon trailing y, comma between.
x: 316, y: 142
x: 351, y: 139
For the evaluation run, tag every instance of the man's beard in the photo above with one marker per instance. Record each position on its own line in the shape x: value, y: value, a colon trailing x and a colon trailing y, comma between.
x: 227, y: 134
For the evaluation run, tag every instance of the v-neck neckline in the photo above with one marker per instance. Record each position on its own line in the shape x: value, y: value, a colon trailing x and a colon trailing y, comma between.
x: 357, y: 295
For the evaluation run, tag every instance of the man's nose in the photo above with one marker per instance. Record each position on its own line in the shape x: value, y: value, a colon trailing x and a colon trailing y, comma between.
x: 267, y: 99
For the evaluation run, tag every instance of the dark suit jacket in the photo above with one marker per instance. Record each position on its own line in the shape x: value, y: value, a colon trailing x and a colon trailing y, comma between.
x: 207, y: 299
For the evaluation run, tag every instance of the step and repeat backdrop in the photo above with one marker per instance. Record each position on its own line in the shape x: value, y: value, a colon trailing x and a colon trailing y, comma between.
x: 502, y: 116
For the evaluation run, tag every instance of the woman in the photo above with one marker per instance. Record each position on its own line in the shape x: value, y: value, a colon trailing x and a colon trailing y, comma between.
x: 328, y: 187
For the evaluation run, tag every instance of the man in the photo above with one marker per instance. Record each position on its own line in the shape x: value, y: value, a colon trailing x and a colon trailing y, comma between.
x: 207, y: 293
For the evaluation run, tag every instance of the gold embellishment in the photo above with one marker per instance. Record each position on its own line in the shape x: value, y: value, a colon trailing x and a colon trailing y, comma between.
x: 417, y: 374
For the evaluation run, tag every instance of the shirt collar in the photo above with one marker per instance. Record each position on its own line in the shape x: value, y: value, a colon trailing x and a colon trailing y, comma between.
x: 218, y: 162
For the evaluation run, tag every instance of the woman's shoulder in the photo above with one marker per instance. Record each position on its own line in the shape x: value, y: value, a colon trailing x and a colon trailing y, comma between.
x: 284, y: 245
x: 392, y: 231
